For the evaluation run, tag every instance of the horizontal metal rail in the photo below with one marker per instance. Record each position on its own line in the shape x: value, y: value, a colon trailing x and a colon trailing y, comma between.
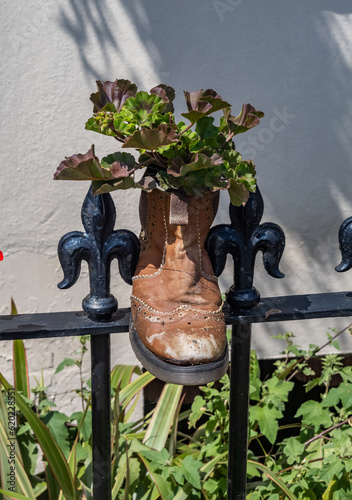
x: 270, y: 309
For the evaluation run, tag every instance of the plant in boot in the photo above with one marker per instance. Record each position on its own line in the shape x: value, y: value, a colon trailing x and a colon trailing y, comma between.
x: 178, y: 329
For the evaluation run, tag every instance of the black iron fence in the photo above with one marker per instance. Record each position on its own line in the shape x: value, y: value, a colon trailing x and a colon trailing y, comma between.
x: 242, y: 238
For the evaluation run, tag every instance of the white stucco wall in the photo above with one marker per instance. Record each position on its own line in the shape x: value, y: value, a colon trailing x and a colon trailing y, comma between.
x: 293, y: 60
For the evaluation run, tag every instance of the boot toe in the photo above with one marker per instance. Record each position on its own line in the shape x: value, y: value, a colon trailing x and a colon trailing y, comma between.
x: 187, y: 346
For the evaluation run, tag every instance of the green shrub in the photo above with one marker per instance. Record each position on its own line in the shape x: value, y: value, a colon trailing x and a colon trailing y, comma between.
x: 152, y: 459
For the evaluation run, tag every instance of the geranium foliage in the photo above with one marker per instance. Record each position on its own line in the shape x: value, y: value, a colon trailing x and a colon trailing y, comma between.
x: 192, y: 157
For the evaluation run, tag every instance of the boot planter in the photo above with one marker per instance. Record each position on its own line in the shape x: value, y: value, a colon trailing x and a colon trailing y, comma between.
x: 178, y: 327
x: 177, y: 330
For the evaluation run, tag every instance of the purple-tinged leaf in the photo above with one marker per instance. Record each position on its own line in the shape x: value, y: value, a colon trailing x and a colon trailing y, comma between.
x: 80, y: 167
x: 119, y: 164
x: 88, y: 167
x: 167, y: 94
x: 147, y: 183
x: 101, y: 187
x: 202, y: 103
x: 116, y: 92
x: 176, y: 166
x: 201, y: 161
x: 247, y: 119
x: 249, y: 116
x: 151, y: 139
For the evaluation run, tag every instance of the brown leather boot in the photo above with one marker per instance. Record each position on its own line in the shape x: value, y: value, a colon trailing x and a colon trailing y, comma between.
x: 178, y: 329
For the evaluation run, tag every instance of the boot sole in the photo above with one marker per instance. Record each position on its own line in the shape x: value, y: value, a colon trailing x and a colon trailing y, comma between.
x: 178, y: 374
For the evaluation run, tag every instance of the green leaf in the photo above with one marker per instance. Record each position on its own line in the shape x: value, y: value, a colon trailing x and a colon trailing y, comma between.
x: 156, y: 457
x: 207, y: 468
x: 118, y: 480
x: 238, y: 193
x: 122, y: 127
x: 314, y: 414
x: 161, y: 484
x: 278, y: 391
x: 198, y: 409
x: 56, y: 423
x: 245, y: 172
x: 345, y: 392
x: 142, y: 105
x: 332, y: 468
x: 293, y: 449
x: 267, y: 418
x: 332, y: 398
x: 96, y: 124
x: 205, y: 128
x: 158, y: 429
x: 338, y: 489
x: 189, y: 470
x: 64, y: 363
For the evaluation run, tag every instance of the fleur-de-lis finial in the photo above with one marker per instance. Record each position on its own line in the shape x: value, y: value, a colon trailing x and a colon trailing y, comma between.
x: 345, y: 240
x: 243, y: 238
x: 99, y: 245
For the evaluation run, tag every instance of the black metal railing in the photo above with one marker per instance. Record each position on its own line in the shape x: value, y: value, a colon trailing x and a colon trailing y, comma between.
x: 242, y: 238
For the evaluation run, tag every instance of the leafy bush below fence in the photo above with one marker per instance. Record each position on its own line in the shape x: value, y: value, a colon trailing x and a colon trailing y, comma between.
x: 153, y: 459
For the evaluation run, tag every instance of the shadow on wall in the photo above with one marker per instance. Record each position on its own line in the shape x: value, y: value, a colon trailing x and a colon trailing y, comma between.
x: 86, y: 23
x: 295, y: 63
x: 104, y: 33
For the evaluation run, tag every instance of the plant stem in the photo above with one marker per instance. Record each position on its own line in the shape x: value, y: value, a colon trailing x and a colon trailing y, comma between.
x: 319, y: 349
x: 227, y: 140
x: 318, y: 436
x: 187, y: 128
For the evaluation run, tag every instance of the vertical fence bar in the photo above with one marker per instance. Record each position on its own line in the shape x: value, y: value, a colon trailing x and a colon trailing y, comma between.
x: 100, y: 356
x: 239, y: 399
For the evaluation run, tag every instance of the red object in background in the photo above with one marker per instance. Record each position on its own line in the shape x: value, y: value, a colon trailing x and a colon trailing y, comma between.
x: 1, y: 255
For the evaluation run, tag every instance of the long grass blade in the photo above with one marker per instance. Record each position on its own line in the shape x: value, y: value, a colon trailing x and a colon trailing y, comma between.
x: 20, y: 368
x: 129, y: 392
x: 50, y: 448
x: 7, y: 436
x: 163, y: 417
x: 122, y: 374
x: 13, y: 307
x: 12, y: 495
x: 22, y: 480
x: 273, y: 477
x: 53, y: 487
x: 173, y: 433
